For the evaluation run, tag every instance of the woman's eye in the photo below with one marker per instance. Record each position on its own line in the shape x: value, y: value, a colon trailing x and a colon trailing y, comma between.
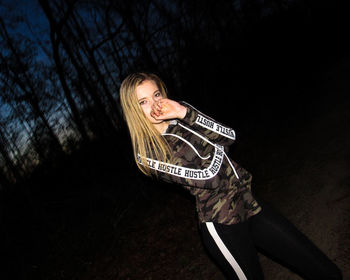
x: 143, y: 102
x: 157, y: 94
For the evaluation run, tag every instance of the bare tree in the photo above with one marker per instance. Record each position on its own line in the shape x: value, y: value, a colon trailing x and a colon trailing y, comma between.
x: 23, y: 80
x: 74, y: 53
x: 55, y: 42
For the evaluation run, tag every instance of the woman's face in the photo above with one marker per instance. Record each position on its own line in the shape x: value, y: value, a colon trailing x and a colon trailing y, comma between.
x: 148, y: 93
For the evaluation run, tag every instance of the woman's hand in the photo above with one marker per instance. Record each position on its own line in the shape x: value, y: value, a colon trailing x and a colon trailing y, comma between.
x: 166, y: 109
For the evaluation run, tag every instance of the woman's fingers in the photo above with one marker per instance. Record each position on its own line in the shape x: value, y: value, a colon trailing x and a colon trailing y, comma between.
x: 164, y: 109
x: 155, y: 114
x: 164, y: 106
x: 157, y: 108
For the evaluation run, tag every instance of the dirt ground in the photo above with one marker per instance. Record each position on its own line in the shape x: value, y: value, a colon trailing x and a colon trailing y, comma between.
x: 315, y: 175
x: 305, y: 174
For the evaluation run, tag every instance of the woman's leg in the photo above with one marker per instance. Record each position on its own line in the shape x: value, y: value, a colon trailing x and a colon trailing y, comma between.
x: 278, y: 237
x: 232, y: 249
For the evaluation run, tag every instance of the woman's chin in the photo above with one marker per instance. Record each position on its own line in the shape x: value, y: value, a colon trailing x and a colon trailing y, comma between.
x: 156, y: 121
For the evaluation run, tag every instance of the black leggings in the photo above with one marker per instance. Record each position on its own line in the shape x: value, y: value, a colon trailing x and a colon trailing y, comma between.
x: 234, y: 247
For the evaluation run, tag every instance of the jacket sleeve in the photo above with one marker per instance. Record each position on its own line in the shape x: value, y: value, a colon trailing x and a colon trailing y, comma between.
x: 213, y: 130
x: 192, y: 183
x: 187, y: 173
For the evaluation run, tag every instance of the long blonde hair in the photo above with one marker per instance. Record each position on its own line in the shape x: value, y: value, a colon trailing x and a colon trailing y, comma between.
x: 146, y: 140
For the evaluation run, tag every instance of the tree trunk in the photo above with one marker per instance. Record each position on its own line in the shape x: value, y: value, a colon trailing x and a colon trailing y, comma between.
x: 79, y: 70
x: 67, y: 93
x: 24, y: 85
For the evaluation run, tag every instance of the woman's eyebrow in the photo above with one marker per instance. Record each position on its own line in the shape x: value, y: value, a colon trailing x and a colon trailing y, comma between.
x: 146, y: 97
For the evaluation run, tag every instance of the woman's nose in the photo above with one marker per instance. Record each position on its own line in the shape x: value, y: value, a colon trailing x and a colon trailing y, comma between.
x: 155, y: 100
x: 152, y: 103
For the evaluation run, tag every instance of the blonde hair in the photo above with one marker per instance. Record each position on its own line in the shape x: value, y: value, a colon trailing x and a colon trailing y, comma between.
x: 146, y: 140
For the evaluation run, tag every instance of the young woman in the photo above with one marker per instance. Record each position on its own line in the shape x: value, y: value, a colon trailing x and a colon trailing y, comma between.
x: 175, y: 142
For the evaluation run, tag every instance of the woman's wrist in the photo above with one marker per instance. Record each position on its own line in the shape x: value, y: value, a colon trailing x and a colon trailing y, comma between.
x: 182, y: 112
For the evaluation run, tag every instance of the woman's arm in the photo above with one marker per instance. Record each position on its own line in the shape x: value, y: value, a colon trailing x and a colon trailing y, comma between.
x: 188, y: 173
x: 213, y: 130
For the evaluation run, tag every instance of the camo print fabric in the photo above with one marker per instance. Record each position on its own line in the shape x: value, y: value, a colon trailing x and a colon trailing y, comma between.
x: 224, y: 198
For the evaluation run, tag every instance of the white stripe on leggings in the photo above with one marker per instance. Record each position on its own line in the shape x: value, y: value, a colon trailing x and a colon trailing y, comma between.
x: 227, y: 254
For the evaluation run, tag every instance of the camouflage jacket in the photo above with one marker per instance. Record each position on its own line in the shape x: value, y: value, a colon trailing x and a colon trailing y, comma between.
x: 200, y: 164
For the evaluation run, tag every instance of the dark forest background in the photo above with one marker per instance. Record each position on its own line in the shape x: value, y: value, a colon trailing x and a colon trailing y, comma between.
x: 65, y: 155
